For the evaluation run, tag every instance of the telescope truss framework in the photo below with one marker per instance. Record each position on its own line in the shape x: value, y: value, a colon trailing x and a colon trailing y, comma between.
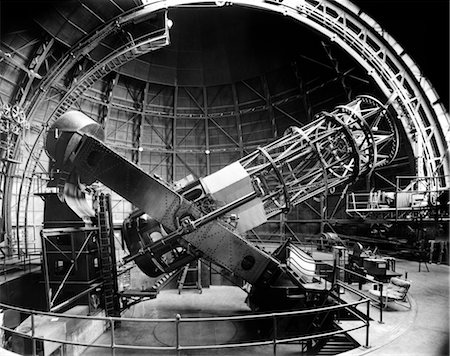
x: 336, y: 148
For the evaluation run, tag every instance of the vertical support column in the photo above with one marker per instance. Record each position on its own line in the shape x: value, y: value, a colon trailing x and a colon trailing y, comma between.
x: 207, y: 150
x: 142, y: 120
x: 45, y: 267
x: 282, y: 221
x: 174, y: 133
x: 368, y: 180
x: 137, y: 127
x: 323, y: 211
x: 380, y: 286
x: 304, y: 93
x: 268, y: 99
x: 33, y: 334
x: 113, y: 336
x: 177, y: 333
x: 108, y: 95
x: 238, y: 119
x: 275, y: 333
x: 136, y: 138
x: 199, y: 275
x: 367, y: 323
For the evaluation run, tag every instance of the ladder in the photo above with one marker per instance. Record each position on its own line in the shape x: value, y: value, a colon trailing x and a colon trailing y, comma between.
x: 107, y: 256
x: 195, y: 269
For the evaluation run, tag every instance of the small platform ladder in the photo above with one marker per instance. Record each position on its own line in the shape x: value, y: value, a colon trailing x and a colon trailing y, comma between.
x: 193, y: 269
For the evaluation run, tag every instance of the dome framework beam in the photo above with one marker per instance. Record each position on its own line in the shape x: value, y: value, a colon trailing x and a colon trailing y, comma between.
x: 418, y: 107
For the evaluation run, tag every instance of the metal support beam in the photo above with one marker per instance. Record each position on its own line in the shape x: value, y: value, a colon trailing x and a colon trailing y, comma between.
x: 323, y: 211
x: 231, y: 138
x: 174, y: 134
x: 341, y: 76
x: 105, y: 110
x: 45, y: 268
x: 270, y: 106
x: 238, y: 119
x: 136, y: 138
x: 273, y: 105
x: 142, y: 120
x: 307, y: 107
x: 42, y: 52
x: 207, y: 150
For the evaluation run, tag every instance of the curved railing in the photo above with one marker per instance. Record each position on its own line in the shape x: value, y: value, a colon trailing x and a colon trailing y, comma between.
x: 419, y: 109
x: 144, y: 44
x: 177, y: 323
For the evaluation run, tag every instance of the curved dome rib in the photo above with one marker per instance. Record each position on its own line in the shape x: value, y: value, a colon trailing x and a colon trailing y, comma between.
x: 424, y: 119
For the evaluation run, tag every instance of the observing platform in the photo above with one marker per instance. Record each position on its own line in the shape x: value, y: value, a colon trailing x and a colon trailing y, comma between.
x: 14, y: 267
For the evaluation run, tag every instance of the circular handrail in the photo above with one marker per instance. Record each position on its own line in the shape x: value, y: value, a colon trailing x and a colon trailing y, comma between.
x: 178, y: 320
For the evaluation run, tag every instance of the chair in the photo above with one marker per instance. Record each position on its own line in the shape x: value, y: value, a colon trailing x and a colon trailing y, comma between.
x: 422, y: 256
x: 396, y: 291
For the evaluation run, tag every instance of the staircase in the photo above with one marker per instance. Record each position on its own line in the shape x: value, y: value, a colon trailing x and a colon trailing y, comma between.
x: 164, y: 280
x: 131, y: 297
x: 193, y: 269
x: 334, y: 345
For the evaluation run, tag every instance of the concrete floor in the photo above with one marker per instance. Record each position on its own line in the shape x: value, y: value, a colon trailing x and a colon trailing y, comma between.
x: 421, y: 331
x: 428, y: 333
x: 213, y: 302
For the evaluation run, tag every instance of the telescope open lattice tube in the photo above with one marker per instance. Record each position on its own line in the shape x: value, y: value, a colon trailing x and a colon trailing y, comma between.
x: 334, y: 149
